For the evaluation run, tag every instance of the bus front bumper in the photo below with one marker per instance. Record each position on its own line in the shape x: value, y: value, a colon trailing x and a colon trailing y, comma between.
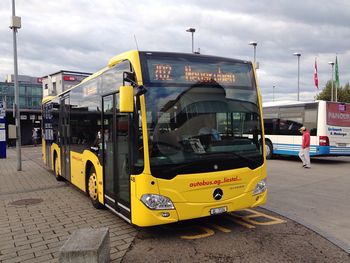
x: 143, y: 216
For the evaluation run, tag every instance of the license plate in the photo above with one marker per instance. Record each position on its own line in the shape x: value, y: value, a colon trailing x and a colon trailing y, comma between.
x: 342, y: 144
x: 218, y: 210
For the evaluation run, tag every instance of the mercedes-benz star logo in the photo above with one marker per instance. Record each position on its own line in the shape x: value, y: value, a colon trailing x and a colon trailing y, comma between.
x: 218, y: 193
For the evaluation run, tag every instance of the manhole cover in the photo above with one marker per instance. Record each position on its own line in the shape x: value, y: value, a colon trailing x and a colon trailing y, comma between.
x: 29, y: 201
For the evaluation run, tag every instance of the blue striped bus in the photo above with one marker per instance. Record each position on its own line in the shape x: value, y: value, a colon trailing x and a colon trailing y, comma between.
x: 328, y: 123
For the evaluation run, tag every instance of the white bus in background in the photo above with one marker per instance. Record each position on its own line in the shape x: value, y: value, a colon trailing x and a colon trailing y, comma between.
x: 327, y: 122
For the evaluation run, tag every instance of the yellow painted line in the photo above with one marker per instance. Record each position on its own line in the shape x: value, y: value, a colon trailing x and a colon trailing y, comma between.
x: 245, y: 221
x: 220, y: 228
x: 237, y: 220
x: 207, y: 233
x: 250, y: 218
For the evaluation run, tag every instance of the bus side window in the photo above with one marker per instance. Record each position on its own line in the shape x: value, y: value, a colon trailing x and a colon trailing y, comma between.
x: 313, y: 132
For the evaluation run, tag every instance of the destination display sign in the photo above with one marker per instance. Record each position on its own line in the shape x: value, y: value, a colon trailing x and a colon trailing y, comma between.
x: 165, y: 72
x: 182, y: 72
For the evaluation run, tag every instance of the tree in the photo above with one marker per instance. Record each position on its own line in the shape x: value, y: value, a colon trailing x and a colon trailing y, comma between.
x: 343, y: 92
x: 344, y: 95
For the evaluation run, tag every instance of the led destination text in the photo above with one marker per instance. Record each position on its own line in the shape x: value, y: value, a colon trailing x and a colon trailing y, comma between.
x: 186, y: 73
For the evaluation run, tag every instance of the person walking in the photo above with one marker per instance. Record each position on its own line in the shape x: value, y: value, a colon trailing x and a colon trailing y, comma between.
x: 304, y: 152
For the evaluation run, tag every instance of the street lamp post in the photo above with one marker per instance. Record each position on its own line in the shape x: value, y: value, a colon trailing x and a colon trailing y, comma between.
x: 254, y: 44
x: 332, y: 64
x: 192, y: 30
x: 298, y: 55
x: 15, y: 25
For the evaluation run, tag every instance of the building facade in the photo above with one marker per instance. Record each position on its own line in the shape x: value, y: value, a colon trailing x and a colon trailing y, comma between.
x: 31, y: 92
x: 60, y: 81
x: 30, y: 97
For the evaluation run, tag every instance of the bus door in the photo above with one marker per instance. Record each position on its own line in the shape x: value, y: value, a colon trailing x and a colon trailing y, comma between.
x: 47, y: 129
x: 115, y: 137
x: 65, y: 136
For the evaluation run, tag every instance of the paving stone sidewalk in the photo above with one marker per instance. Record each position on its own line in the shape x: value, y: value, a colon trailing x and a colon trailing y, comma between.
x: 37, y: 213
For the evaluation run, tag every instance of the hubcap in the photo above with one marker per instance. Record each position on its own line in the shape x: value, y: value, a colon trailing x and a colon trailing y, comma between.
x: 93, y: 186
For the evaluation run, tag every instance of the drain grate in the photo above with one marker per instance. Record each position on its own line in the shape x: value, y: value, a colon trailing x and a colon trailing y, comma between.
x: 28, y: 201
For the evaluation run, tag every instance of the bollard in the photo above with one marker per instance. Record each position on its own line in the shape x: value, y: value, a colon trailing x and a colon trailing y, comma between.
x: 86, y: 246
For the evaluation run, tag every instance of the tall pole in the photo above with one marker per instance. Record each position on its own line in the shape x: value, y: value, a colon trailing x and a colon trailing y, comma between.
x: 192, y: 42
x: 332, y: 81
x: 298, y: 55
x: 254, y: 44
x: 192, y: 30
x: 273, y: 93
x: 332, y: 64
x: 16, y: 24
x: 336, y: 86
x: 336, y: 91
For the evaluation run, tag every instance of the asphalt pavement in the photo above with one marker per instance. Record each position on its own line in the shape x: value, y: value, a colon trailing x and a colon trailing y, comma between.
x: 220, y: 239
x: 318, y: 198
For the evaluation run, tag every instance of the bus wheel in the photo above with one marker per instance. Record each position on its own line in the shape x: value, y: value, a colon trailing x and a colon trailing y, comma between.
x: 268, y: 150
x: 92, y: 189
x: 57, y: 170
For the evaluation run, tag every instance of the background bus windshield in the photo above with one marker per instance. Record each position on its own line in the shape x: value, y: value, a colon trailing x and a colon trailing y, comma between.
x: 201, y: 117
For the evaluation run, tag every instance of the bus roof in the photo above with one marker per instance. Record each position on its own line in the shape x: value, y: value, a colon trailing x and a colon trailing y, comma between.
x: 194, y: 55
x: 133, y: 56
x: 115, y: 60
x: 287, y: 103
x: 46, y: 99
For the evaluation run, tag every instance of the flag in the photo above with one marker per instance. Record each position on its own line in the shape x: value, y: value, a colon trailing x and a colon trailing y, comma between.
x: 336, y: 72
x: 315, y: 75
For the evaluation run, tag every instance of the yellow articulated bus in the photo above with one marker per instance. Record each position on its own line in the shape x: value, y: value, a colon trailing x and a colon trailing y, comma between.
x: 161, y: 137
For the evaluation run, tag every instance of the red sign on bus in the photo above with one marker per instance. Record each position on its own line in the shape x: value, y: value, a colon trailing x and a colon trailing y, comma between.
x: 338, y: 114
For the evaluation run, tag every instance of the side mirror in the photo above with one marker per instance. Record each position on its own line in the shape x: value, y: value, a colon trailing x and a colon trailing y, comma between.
x: 129, y: 77
x: 126, y: 97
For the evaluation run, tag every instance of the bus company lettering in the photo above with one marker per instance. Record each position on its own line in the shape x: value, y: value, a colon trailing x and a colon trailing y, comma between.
x: 339, y: 116
x: 215, y: 182
x: 337, y: 131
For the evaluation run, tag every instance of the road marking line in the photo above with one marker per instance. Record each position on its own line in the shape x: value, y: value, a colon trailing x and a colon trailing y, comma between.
x: 246, y: 221
x: 254, y: 214
x: 208, y: 233
x: 220, y: 228
x: 238, y: 220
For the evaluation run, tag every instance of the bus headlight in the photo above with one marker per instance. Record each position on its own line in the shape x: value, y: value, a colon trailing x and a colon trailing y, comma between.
x: 157, y: 202
x: 260, y: 187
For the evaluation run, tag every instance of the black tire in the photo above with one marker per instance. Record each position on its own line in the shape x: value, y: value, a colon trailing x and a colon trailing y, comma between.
x: 268, y: 150
x: 56, y: 169
x: 92, y: 188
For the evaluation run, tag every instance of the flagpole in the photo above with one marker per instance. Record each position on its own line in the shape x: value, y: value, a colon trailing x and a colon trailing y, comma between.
x: 332, y: 64
x: 316, y: 77
x: 336, y: 78
x: 318, y: 91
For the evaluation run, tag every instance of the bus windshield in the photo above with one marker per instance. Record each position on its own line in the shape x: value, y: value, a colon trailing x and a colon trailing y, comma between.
x: 201, y: 117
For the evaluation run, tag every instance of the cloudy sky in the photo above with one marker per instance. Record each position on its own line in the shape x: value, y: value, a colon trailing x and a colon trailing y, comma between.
x: 83, y: 35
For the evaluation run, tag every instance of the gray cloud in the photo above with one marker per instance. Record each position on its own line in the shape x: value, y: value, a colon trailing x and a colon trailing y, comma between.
x: 84, y: 34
